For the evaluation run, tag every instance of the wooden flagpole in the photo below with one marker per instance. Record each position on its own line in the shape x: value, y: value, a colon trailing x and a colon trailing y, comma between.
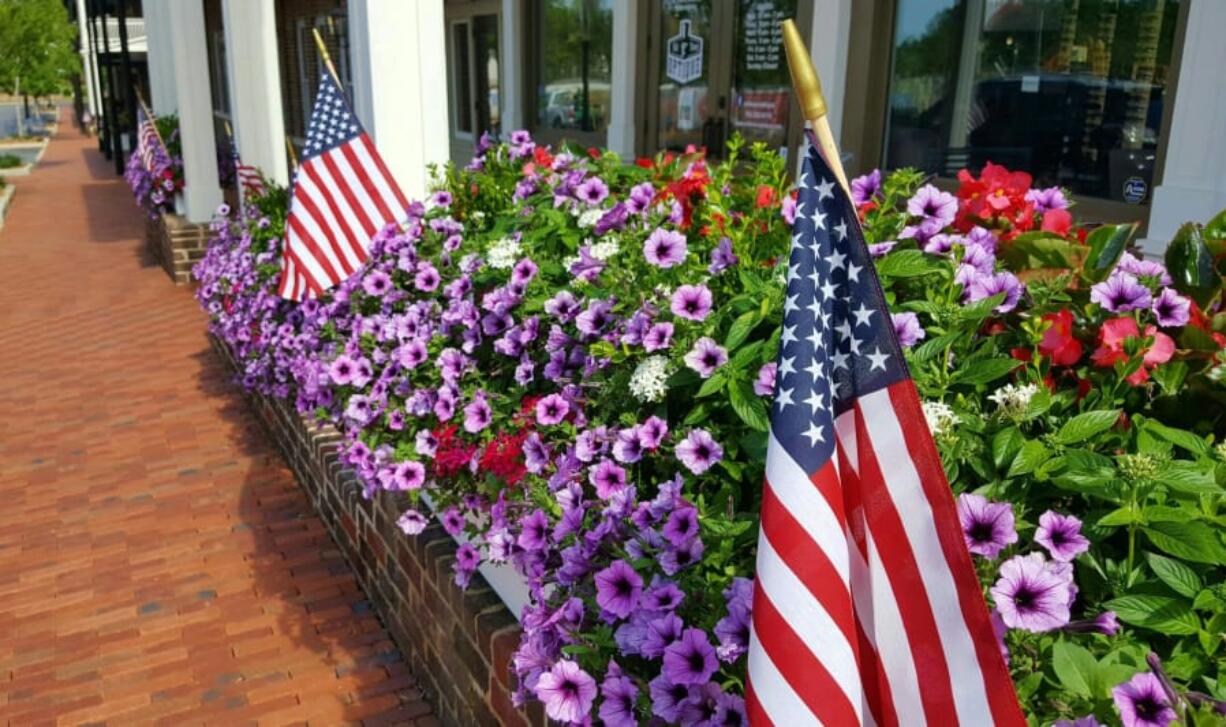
x: 812, y: 102
x: 327, y: 59
x: 293, y: 157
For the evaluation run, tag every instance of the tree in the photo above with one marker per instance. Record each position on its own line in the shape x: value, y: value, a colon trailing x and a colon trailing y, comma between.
x: 37, y: 48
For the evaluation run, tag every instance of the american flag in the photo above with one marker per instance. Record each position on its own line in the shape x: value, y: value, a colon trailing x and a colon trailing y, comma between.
x: 343, y: 195
x: 147, y: 140
x: 867, y: 609
x: 250, y: 180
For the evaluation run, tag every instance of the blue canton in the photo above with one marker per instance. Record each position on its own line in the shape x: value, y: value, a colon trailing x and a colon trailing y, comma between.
x: 838, y: 342
x: 332, y: 122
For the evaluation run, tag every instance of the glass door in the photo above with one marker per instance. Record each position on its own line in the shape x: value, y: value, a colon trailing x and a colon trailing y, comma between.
x: 718, y: 67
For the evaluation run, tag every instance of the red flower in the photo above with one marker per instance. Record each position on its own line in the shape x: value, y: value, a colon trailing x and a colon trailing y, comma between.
x: 1057, y: 221
x: 766, y: 196
x: 644, y: 162
x: 503, y: 457
x: 1058, y: 342
x: 998, y: 195
x: 542, y: 156
x: 593, y: 152
x: 1112, y: 337
x: 452, y: 455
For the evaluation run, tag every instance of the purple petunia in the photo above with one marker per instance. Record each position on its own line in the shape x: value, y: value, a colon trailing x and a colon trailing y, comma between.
x: 618, y: 696
x: 659, y: 336
x: 1121, y: 292
x: 881, y: 249
x: 692, y: 302
x: 377, y: 283
x: 566, y: 691
x: 551, y: 410
x: 1151, y: 271
x: 1171, y: 309
x: 907, y: 328
x: 341, y: 370
x: 722, y: 257
x: 1033, y: 594
x: 986, y: 526
x: 706, y: 357
x: 408, y: 476
x: 699, y: 451
x: 986, y: 286
x: 1143, y: 702
x: 477, y: 414
x: 865, y: 187
x: 412, y: 522
x: 652, y: 432
x: 690, y: 659
x: 668, y: 699
x: 665, y: 248
x: 1051, y: 198
x: 608, y: 479
x: 592, y: 191
x: 764, y: 384
x: 931, y: 203
x: 1061, y: 535
x: 427, y: 277
x: 618, y: 588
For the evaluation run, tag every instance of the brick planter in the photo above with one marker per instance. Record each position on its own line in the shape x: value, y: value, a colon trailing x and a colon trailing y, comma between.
x: 176, y: 243
x: 458, y: 643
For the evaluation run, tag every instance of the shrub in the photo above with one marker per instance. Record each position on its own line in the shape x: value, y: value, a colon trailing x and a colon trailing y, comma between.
x: 574, y: 357
x: 10, y: 161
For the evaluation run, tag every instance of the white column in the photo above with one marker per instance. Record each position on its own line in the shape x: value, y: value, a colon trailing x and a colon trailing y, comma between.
x: 398, y: 63
x: 87, y: 61
x: 254, y: 73
x: 511, y: 84
x: 1193, y: 185
x: 829, y: 44
x: 625, y: 66
x: 163, y: 98
x: 201, y: 192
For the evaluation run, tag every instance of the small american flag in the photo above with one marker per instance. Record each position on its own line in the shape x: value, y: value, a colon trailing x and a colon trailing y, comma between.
x: 250, y: 179
x: 147, y: 140
x: 343, y: 195
x: 867, y: 609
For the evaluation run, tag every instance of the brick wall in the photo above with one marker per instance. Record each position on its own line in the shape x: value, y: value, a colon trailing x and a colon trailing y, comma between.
x: 177, y: 244
x: 458, y: 643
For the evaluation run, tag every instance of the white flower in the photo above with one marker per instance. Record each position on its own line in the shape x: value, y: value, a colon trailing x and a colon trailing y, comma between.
x: 477, y: 215
x: 1013, y: 400
x: 648, y: 381
x: 941, y: 418
x: 590, y: 217
x: 604, y: 249
x: 503, y: 253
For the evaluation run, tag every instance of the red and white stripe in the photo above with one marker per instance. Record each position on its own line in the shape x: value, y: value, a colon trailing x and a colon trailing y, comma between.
x: 867, y: 609
x: 147, y: 142
x: 249, y: 179
x: 341, y: 199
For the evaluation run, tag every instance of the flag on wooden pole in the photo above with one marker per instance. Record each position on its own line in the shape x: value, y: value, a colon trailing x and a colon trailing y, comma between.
x: 343, y: 194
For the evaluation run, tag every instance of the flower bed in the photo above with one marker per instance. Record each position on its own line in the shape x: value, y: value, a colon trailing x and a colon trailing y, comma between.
x: 574, y: 358
x: 155, y: 188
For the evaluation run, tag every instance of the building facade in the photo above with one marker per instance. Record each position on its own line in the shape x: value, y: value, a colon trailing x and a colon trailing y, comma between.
x: 1119, y: 101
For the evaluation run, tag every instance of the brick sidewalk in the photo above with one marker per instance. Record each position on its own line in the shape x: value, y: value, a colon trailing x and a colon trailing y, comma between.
x: 157, y: 561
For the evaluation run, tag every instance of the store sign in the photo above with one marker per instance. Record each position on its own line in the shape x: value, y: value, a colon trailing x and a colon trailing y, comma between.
x: 684, y: 60
x: 762, y: 109
x: 763, y: 34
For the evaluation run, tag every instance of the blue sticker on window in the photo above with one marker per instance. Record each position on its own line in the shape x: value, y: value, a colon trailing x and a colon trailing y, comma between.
x: 1135, y: 190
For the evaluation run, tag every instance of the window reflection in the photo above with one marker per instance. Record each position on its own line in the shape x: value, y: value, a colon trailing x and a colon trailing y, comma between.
x: 576, y: 44
x: 1071, y: 91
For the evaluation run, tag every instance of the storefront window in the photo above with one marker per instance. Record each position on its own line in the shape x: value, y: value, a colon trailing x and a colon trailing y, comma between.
x: 575, y: 65
x: 1071, y: 91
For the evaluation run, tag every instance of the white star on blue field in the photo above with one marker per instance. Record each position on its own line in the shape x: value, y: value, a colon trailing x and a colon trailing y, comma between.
x: 838, y: 341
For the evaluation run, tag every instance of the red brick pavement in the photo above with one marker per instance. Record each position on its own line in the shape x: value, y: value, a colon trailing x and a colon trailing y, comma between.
x: 157, y: 561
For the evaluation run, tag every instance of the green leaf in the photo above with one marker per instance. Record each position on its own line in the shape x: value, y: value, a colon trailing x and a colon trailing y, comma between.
x: 1194, y: 541
x: 1075, y: 667
x: 1189, y: 478
x: 975, y: 312
x: 1171, y: 375
x: 712, y: 385
x: 984, y: 371
x: 1039, y: 404
x: 748, y: 406
x: 1126, y: 515
x: 741, y: 328
x: 1039, y: 250
x: 1191, y: 265
x: 1158, y: 613
x: 933, y: 346
x: 1215, y: 229
x: 1107, y: 243
x: 908, y: 264
x: 1086, y: 425
x: 1033, y: 454
x: 1005, y: 446
x: 1178, y: 437
x: 1177, y: 576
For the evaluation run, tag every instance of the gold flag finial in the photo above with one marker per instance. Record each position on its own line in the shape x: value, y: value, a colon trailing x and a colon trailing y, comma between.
x: 804, y: 75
